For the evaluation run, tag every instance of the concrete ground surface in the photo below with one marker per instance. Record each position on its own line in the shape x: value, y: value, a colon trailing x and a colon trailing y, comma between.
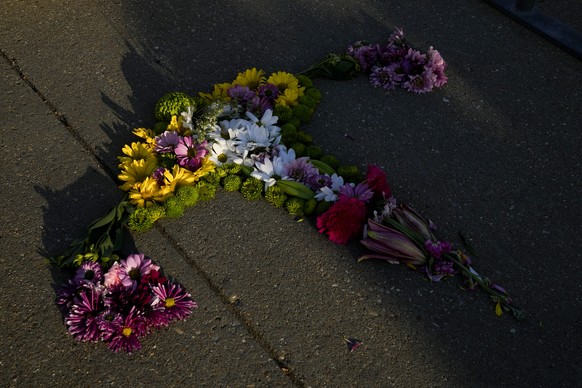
x: 494, y: 154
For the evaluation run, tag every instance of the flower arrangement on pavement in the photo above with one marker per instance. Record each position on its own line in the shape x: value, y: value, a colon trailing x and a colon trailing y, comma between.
x: 246, y: 135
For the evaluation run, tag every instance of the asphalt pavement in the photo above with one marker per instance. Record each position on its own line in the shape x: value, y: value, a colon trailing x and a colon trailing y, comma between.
x: 494, y: 154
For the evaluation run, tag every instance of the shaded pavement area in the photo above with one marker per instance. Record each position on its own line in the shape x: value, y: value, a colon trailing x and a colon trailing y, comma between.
x: 494, y: 154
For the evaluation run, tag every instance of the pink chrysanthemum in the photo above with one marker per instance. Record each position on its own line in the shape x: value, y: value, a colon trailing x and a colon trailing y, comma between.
x: 175, y: 301
x: 111, y: 277
x: 190, y: 154
x: 133, y: 268
x: 82, y: 320
x: 343, y: 220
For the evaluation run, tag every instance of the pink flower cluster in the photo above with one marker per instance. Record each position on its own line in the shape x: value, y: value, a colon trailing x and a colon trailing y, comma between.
x: 123, y: 304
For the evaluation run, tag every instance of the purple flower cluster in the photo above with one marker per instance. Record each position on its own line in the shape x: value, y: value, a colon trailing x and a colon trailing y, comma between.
x: 301, y: 170
x: 397, y: 64
x: 256, y: 102
x: 188, y: 152
x: 123, y: 304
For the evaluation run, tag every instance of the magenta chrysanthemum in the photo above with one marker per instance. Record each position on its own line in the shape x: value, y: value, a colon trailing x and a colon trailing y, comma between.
x: 175, y: 301
x: 82, y: 319
x: 88, y: 271
x: 126, y: 332
x: 190, y: 153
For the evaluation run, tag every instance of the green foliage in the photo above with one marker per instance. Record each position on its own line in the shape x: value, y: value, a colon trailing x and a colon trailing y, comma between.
x: 309, y: 206
x: 160, y: 127
x: 188, y: 195
x: 284, y: 113
x: 349, y: 173
x: 171, y: 104
x: 231, y: 182
x: 174, y: 207
x: 294, y: 206
x: 304, y: 81
x: 143, y: 219
x: 252, y: 188
x: 314, y: 94
x: 288, y: 133
x: 322, y: 207
x: 299, y: 149
x: 307, y: 101
x: 313, y: 151
x: 275, y: 196
x: 303, y: 113
x: 206, y: 190
x: 331, y: 161
x: 304, y: 137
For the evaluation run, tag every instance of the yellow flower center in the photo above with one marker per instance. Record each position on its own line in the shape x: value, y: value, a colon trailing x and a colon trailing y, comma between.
x: 127, y: 331
x: 170, y: 302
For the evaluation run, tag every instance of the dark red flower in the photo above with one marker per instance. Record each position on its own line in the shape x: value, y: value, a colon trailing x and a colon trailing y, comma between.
x: 343, y: 220
x: 377, y: 181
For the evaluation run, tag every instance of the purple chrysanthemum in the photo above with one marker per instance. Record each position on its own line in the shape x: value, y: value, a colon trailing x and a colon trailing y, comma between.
x: 126, y: 332
x: 366, y: 54
x: 242, y: 94
x: 82, y: 320
x: 361, y: 191
x: 158, y: 175
x: 317, y: 181
x: 300, y: 170
x: 268, y: 91
x: 167, y: 142
x: 133, y: 268
x: 397, y: 37
x: 259, y: 105
x: 108, y: 322
x: 421, y: 83
x: 175, y: 301
x: 67, y: 293
x: 383, y: 77
x: 88, y: 271
x: 190, y: 153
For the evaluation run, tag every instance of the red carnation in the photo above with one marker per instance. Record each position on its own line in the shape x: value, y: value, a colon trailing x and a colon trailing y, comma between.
x: 377, y: 181
x: 343, y: 220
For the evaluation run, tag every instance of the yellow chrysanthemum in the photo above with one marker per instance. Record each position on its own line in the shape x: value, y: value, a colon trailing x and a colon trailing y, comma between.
x: 148, y: 192
x: 289, y: 97
x: 147, y: 134
x: 283, y: 80
x: 178, y: 177
x: 176, y: 125
x: 207, y: 167
x: 251, y: 78
x: 218, y: 92
x: 135, y: 172
x: 136, y: 151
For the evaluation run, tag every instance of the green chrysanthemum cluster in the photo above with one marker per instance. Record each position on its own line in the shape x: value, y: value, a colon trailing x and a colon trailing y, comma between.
x: 143, y: 219
x: 252, y: 188
x: 294, y: 206
x: 275, y: 196
x: 172, y: 104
